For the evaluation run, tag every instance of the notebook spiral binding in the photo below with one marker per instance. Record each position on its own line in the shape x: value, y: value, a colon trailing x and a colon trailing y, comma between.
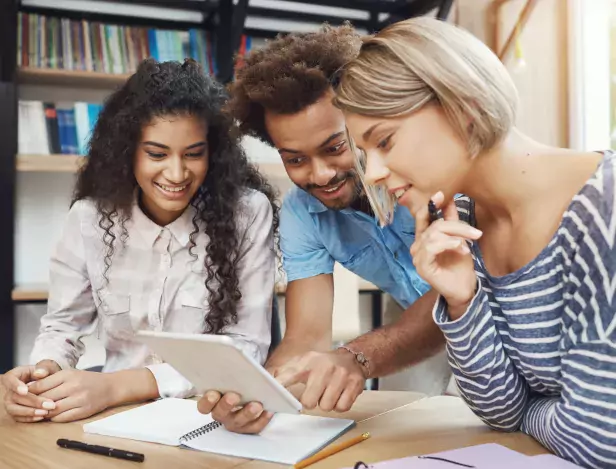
x: 200, y: 431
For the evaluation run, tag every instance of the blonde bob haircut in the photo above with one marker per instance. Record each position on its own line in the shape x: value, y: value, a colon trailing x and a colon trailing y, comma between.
x: 423, y: 60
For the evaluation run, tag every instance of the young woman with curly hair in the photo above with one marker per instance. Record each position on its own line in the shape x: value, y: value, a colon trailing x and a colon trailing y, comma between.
x: 170, y: 229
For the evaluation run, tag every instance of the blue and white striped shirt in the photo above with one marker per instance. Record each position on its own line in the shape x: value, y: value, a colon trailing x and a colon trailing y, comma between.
x: 536, y: 350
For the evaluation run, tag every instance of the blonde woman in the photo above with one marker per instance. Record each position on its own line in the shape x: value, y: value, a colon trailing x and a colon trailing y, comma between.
x: 525, y: 267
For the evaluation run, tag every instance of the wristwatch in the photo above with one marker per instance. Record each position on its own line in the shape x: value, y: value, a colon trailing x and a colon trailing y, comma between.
x: 360, y: 358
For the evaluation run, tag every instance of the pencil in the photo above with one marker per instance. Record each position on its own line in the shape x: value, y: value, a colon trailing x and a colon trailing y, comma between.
x: 331, y: 450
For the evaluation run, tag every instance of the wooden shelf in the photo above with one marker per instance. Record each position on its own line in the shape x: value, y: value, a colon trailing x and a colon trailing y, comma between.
x: 75, y: 78
x: 40, y: 291
x: 70, y: 164
x: 30, y: 292
x: 49, y: 163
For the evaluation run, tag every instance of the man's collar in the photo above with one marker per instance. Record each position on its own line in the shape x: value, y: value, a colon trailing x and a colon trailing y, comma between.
x: 315, y: 205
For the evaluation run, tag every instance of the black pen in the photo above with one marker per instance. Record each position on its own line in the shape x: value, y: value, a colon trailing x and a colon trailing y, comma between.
x: 102, y: 450
x: 435, y: 213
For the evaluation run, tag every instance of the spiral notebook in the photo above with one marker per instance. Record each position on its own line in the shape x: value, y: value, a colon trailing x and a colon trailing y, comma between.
x: 288, y: 439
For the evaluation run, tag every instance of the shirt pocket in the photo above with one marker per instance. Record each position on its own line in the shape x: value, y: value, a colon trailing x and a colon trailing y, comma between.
x: 115, y: 312
x: 193, y: 312
x: 365, y: 263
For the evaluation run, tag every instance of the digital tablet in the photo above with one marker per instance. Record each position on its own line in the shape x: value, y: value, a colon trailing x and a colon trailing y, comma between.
x: 217, y: 363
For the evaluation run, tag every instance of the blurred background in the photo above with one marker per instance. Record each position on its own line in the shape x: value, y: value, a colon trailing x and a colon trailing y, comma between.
x: 62, y: 57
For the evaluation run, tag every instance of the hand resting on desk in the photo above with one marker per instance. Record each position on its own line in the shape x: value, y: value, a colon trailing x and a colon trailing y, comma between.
x: 20, y: 402
x: 67, y: 395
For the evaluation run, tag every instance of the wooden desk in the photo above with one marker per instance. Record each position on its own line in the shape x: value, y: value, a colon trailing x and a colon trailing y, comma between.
x: 426, y: 426
x: 33, y: 446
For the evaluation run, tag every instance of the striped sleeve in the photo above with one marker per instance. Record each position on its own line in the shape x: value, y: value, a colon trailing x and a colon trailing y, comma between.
x: 580, y: 424
x: 487, y: 379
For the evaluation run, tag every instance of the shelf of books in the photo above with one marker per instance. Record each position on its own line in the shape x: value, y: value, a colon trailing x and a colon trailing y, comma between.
x: 105, y: 53
x: 84, y: 54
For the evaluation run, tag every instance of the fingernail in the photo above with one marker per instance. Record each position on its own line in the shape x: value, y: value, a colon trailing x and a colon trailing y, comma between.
x: 49, y: 405
x: 22, y: 389
x: 233, y: 400
x: 211, y: 397
x: 40, y: 412
x: 254, y: 409
x: 465, y: 249
x: 269, y: 415
x: 37, y: 419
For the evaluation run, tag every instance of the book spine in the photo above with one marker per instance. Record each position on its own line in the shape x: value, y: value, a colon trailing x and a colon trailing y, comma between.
x: 32, y: 41
x: 59, y: 45
x: 87, y: 45
x: 50, y: 51
x: 20, y: 43
x: 145, y: 44
x: 26, y: 40
x: 39, y: 40
x: 82, y: 124
x: 153, y: 45
x: 78, y: 56
x: 71, y: 131
x: 124, y: 43
x: 105, y: 53
x: 131, y: 61
x: 53, y: 133
x: 62, y: 131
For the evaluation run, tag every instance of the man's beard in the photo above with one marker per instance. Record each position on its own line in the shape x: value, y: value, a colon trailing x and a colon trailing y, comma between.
x: 335, y: 204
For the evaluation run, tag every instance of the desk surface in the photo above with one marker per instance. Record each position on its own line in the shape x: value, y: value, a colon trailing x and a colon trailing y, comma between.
x: 426, y: 426
x: 33, y: 446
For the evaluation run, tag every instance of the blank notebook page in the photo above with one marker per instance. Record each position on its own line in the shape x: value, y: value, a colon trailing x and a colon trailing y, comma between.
x: 287, y: 439
x: 163, y: 421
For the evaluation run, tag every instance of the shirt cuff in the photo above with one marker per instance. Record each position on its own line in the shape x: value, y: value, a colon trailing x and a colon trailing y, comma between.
x: 42, y: 352
x: 441, y: 317
x: 170, y: 382
x: 302, y: 273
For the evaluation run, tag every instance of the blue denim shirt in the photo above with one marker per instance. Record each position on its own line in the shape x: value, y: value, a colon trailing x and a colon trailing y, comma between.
x: 314, y: 237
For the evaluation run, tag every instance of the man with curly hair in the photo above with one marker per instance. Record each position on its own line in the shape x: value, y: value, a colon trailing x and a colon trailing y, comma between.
x: 283, y: 96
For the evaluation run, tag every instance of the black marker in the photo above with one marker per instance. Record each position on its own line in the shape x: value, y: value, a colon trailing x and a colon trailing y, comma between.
x: 435, y: 213
x: 102, y: 450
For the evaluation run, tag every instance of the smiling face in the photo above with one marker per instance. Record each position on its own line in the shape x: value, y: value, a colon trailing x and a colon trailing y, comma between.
x: 171, y: 162
x: 315, y: 151
x: 414, y: 156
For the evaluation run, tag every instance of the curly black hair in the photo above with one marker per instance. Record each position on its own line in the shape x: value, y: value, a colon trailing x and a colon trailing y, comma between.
x: 289, y: 74
x: 159, y: 89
